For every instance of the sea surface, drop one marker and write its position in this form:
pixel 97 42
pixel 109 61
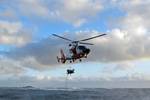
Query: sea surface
pixel 74 94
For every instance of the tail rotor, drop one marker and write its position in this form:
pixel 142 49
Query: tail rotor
pixel 62 58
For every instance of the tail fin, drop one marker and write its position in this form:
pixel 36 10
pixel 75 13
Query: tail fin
pixel 62 58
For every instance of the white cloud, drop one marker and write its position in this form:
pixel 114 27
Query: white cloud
pixel 136 19
pixel 130 42
pixel 118 46
pixel 139 76
pixel 79 11
pixel 11 67
pixel 124 66
pixel 83 82
pixel 136 25
pixel 8 14
pixel 76 12
pixel 33 8
pixel 10 28
pixel 13 33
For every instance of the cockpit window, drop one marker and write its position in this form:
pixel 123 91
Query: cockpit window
pixel 82 47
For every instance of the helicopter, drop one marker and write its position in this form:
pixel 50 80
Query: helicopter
pixel 77 49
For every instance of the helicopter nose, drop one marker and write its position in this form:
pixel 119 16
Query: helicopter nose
pixel 87 51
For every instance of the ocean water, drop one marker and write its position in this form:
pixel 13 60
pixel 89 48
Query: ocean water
pixel 74 94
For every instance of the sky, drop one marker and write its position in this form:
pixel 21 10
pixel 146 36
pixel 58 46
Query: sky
pixel 28 50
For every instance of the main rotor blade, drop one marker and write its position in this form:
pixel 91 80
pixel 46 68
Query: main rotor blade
pixel 93 37
pixel 61 37
pixel 86 43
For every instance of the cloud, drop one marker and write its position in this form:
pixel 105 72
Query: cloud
pixel 8 14
pixel 130 42
pixel 37 55
pixel 139 76
pixel 33 8
pixel 79 11
pixel 10 67
pixel 118 46
pixel 83 82
pixel 136 19
pixel 123 66
pixel 76 12
pixel 134 28
pixel 113 68
pixel 12 33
